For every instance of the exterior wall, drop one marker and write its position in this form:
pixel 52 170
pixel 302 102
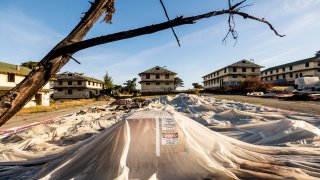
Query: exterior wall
pixel 81 88
pixel 45 96
pixel 76 94
pixel 4 80
pixel 227 76
pixel 166 84
pixel 298 70
pixel 153 77
pixel 153 87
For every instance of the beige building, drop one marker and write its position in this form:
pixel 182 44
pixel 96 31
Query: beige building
pixel 157 80
pixel 287 73
pixel 231 75
pixel 11 75
pixel 76 86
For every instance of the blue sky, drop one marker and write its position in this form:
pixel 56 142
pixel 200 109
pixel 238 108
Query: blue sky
pixel 29 29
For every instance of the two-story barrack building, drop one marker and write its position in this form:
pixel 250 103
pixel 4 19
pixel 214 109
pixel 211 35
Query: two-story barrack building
pixel 231 75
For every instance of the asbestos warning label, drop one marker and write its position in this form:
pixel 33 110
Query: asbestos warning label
pixel 169 138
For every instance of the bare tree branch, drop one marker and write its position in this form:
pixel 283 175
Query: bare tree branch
pixel 72 48
pixel 174 33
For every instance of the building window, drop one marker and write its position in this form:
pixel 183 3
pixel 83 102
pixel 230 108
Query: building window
pixel 243 61
pixel 69 82
pixel 318 63
pixel 69 74
pixel 307 64
pixel 157 68
pixel 265 73
pixel 79 82
pixel 271 72
pixel 234 76
pixel 297 75
pixel 283 76
pixel 11 77
pixel 217 73
pixel 60 82
pixel 271 78
pixel 89 82
pixel 69 91
pixel 225 70
pixel 253 69
pixel 147 76
pixel 290 67
pixel 214 81
pixel 92 83
pixel 59 89
pixel 244 76
pixel 157 83
pixel 157 76
pixel 291 75
pixel 147 83
pixel 167 76
pixel 277 70
pixel 284 69
pixel 234 69
pixel 79 89
pixel 277 77
pixel 244 69
pixel 167 83
pixel 300 74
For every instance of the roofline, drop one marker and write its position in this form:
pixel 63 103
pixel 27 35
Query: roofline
pixel 293 63
pixel 227 67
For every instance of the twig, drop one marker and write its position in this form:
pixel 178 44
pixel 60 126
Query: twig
pixel 73 59
pixel 174 33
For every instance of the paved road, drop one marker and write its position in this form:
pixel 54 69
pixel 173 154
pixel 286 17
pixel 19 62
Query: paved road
pixel 20 120
pixel 310 107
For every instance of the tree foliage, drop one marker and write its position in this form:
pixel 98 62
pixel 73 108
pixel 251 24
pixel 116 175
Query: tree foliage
pixel 178 82
pixel 197 86
pixel 253 84
pixel 130 85
pixel 30 64
pixel 108 83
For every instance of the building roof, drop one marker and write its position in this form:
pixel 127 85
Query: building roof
pixel 244 63
pixel 316 58
pixel 241 63
pixel 80 76
pixel 12 68
pixel 157 70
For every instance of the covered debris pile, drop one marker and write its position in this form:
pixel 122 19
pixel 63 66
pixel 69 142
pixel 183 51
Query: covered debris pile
pixel 163 140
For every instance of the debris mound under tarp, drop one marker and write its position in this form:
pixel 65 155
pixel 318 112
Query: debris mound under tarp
pixel 164 144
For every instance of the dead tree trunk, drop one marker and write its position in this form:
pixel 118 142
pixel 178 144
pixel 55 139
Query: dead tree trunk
pixel 15 99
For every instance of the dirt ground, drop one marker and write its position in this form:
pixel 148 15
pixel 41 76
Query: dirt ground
pixel 309 107
pixel 24 119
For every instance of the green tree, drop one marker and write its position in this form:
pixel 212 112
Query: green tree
pixel 30 64
pixel 178 82
pixel 197 86
pixel 108 83
pixel 130 85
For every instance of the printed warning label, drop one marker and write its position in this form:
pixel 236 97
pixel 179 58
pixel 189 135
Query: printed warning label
pixel 169 138
pixel 168 124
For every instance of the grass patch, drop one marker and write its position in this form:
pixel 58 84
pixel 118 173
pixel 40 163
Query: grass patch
pixel 55 105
